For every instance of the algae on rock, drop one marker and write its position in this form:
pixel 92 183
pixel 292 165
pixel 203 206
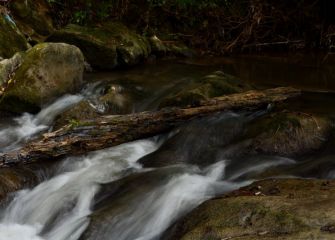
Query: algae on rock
pixel 47 71
pixel 105 47
pixel 8 67
pixel 33 18
pixel 169 48
pixel 214 85
pixel 11 38
pixel 112 99
pixel 288 133
pixel 291 209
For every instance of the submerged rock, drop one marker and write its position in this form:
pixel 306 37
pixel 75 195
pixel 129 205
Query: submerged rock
pixel 244 139
pixel 106 47
pixel 198 143
pixel 270 209
pixel 33 18
pixel 214 85
pixel 11 38
pixel 41 74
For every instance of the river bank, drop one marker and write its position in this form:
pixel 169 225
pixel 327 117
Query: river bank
pixel 262 172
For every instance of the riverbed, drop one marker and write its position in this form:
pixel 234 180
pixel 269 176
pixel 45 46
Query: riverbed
pixel 112 194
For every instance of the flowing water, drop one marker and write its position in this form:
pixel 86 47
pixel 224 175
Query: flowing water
pixel 108 194
pixel 28 125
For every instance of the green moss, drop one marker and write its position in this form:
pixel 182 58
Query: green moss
pixel 240 216
pixel 106 46
pixel 11 39
pixel 282 121
pixel 73 123
pixel 32 18
pixel 214 85
pixel 47 71
pixel 79 112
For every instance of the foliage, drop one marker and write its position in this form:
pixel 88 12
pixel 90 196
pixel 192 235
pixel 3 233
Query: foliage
pixel 87 11
pixel 220 25
pixel 183 4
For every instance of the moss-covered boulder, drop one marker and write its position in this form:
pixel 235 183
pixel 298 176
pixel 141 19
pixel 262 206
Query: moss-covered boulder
pixel 11 38
pixel 47 71
pixel 214 85
pixel 271 209
pixel 169 48
pixel 33 18
pixel 288 133
pixel 105 47
pixel 8 67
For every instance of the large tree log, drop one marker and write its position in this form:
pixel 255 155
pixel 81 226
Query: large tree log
pixel 107 131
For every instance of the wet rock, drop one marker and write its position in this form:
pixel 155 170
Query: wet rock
pixel 47 71
pixel 157 46
pixel 11 38
pixel 112 99
pixel 198 143
pixel 33 18
pixel 288 134
pixel 9 66
pixel 214 85
pixel 300 210
pixel 15 178
pixel 169 48
pixel 81 111
pixel 105 47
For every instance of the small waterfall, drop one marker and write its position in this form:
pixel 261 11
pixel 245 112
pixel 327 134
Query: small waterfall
pixel 29 125
pixel 61 208
pixel 154 212
pixel 57 209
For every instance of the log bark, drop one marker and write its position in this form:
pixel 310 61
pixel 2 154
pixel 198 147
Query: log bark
pixel 108 131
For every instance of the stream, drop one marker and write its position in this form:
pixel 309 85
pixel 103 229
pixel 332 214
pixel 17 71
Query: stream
pixel 111 195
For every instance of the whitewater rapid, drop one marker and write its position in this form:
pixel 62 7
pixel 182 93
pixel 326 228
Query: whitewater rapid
pixel 60 207
pixel 28 125
pixel 63 202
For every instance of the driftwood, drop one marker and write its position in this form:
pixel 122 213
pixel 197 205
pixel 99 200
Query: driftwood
pixel 108 131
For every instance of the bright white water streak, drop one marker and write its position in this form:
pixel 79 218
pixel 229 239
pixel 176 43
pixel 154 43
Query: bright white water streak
pixel 57 209
pixel 28 124
pixel 154 212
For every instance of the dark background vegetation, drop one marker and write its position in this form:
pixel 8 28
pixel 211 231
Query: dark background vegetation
pixel 219 26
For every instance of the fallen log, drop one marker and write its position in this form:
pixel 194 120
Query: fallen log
pixel 107 131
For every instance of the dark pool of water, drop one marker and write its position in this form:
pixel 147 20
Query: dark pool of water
pixel 314 75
